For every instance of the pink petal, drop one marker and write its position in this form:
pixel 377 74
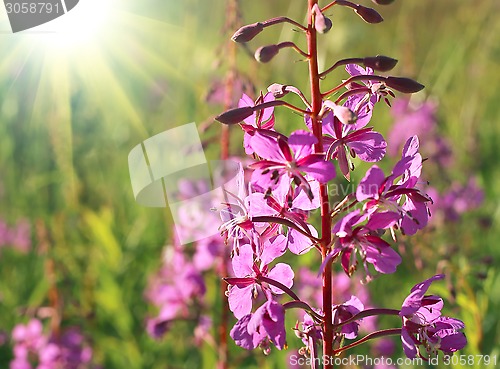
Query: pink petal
pixel 267 148
pixel 273 249
pixel 369 186
pixel 282 273
pixel 240 301
pixel 243 261
pixel 301 142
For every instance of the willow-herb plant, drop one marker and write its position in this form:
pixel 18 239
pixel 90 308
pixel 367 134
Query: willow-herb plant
pixel 290 179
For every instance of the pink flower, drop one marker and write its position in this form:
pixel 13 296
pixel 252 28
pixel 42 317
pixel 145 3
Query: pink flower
pixel 293 158
pixel 260 120
pixel 356 239
pixel 290 203
pixel 266 325
pixel 423 326
pixel 380 192
pixel 248 267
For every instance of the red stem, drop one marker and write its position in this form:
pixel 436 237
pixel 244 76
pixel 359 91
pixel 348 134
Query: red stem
pixel 377 334
pixel 316 104
pixel 361 77
pixel 273 21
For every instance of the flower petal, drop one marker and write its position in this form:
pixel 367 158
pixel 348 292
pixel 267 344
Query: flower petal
pixel 240 300
pixel 282 273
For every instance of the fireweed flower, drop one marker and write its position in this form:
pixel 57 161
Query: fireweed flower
pixel 382 194
pixel 266 325
pixel 176 287
pixel 376 90
pixel 291 203
pixel 237 224
pixel 355 239
pixel 344 312
pixel 411 121
pixel 293 159
pixel 308 331
pixel 34 348
pixel 260 120
pixel 207 251
pixel 342 141
pixel 458 199
pixel 424 329
pixel 249 266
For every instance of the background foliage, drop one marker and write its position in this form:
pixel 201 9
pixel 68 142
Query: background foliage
pixel 70 115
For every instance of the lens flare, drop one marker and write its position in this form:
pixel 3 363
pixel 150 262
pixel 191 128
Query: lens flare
pixel 78 27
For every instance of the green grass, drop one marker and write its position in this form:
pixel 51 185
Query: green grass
pixel 68 121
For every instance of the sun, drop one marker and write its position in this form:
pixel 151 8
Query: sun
pixel 78 27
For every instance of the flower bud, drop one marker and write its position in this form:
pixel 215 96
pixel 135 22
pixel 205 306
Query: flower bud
pixel 247 33
pixel 322 24
pixel 383 2
pixel 234 116
pixel 380 63
pixel 343 113
pixel 405 85
pixel 265 53
pixel 277 90
pixel 369 15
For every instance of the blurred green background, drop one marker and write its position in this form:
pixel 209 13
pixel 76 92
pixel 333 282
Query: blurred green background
pixel 70 114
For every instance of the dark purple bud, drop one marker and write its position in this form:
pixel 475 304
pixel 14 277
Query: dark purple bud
pixel 234 116
pixel 277 90
pixel 405 85
pixel 383 2
pixel 247 33
pixel 380 63
pixel 265 53
pixel 369 15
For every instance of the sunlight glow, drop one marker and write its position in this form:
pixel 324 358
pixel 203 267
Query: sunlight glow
pixel 80 26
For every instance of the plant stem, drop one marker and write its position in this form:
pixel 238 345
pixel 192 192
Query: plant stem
pixel 316 104
pixel 367 313
pixel 223 331
pixel 377 334
pixel 279 285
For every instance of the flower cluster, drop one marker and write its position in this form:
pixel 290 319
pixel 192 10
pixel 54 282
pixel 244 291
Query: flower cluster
pixel 421 119
pixel 17 237
pixel 425 330
pixel 289 179
pixel 35 349
pixel 177 287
